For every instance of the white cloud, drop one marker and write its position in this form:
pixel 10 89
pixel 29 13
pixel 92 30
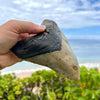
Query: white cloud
pixel 17 2
pixel 67 13
pixel 47 5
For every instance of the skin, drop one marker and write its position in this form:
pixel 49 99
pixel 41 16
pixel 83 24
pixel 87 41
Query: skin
pixel 10 33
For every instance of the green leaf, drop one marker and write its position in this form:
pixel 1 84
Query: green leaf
pixel 11 97
pixel 25 98
pixel 18 92
pixel 52 96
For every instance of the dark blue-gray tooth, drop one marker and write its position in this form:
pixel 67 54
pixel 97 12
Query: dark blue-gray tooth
pixel 51 49
pixel 42 43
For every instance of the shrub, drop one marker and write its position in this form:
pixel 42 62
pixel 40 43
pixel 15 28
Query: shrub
pixel 51 86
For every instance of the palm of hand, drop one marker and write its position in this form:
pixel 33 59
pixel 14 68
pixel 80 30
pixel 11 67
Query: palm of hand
pixel 10 33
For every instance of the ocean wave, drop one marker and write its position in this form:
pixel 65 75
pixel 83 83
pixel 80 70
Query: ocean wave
pixel 31 70
pixel 90 65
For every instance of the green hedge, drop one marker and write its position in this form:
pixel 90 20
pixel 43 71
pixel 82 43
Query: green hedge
pixel 51 86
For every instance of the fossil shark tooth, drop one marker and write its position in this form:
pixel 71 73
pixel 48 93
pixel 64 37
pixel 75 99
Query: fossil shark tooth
pixel 51 49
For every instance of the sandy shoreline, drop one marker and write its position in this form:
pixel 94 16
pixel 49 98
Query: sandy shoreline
pixel 21 76
pixel 88 65
pixel 27 72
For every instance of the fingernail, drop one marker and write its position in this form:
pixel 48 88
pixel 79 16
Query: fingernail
pixel 43 26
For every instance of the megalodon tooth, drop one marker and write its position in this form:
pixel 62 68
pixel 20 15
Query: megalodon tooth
pixel 51 49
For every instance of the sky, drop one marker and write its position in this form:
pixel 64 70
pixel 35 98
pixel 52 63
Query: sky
pixel 78 19
pixel 72 16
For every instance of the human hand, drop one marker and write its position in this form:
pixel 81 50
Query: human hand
pixel 10 33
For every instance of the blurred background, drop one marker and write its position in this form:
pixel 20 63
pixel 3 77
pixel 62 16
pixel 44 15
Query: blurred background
pixel 79 20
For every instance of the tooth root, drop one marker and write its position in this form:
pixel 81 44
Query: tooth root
pixel 50 49
pixel 64 62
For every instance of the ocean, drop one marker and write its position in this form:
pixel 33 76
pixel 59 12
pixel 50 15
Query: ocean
pixel 87 52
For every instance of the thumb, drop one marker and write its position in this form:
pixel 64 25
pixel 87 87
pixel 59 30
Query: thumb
pixel 23 27
pixel 9 33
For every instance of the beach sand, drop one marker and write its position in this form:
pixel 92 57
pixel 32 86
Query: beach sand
pixel 21 75
pixel 90 65
pixel 28 74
